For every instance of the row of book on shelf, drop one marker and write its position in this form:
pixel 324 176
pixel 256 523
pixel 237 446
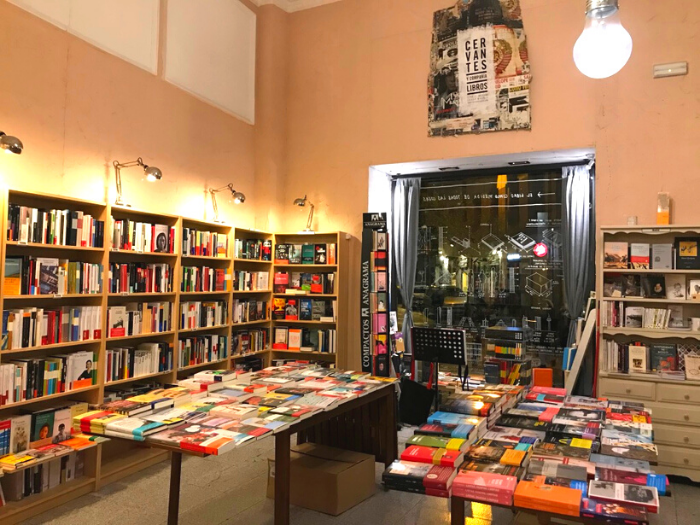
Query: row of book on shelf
pixel 142 237
pixel 669 361
pixel 245 281
pixel 52 226
pixel 652 286
pixel 205 279
pixel 249 341
pixel 24 379
pixel 204 243
pixel 50 276
pixel 201 349
pixel 131 362
pixel 249 310
pixel 139 318
pixel 305 253
pixel 203 314
pixel 682 254
pixel 32 327
pixel 617 314
pixel 305 339
pixel 140 278
pixel 304 309
pixel 253 249
pixel 537 448
pixel 299 283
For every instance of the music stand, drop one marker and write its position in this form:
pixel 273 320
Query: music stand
pixel 445 346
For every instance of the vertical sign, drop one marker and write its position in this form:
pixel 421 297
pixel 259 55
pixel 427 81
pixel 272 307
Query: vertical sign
pixel 372 223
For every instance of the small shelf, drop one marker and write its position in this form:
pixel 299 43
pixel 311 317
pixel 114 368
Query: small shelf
pixel 653 333
pixel 660 270
pixel 54 246
pixel 139 336
pixel 52 396
pixel 141 294
pixel 130 379
pixel 254 261
pixel 238 292
pixel 303 322
pixel 258 352
pixel 205 293
pixel 648 377
pixel 199 365
pixel 311 295
pixel 50 347
pixel 310 266
pixel 49 297
pixel 649 300
pixel 207 258
pixel 276 351
pixel 201 329
pixel 249 323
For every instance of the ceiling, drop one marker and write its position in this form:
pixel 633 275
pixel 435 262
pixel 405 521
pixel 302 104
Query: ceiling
pixel 294 5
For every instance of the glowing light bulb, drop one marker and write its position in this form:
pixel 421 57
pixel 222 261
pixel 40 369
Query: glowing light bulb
pixel 604 46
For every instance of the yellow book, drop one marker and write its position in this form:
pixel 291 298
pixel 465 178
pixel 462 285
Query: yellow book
pixel 455 444
pixel 581 443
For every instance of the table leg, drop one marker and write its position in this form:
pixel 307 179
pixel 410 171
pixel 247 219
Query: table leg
pixel 392 445
pixel 282 468
pixel 457 511
pixel 174 501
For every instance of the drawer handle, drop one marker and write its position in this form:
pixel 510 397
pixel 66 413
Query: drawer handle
pixel 686 461
pixel 687 418
pixel 687 397
pixel 686 439
pixel 629 391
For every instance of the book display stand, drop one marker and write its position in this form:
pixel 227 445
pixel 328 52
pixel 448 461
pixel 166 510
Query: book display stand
pixel 185 349
pixel 446 346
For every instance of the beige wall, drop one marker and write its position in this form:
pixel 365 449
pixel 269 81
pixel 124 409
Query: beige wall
pixel 78 108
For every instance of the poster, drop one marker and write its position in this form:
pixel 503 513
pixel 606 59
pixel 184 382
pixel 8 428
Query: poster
pixel 479 69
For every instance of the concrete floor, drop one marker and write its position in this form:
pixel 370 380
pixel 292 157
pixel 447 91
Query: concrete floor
pixel 231 490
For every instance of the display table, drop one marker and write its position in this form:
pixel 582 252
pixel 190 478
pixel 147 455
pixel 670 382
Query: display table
pixel 366 424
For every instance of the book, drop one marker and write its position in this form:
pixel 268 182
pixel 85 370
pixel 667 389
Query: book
pixel 551 498
pixel 662 256
pixel 616 255
pixel 631 286
pixel 654 286
pixel 20 432
pixel 675 287
pixel 291 312
pixel 694 289
pixel 307 253
pixel 406 475
pixel 662 357
pixel 639 256
pixel 161 243
pixel 609 512
pixel 676 318
pixel 294 253
pixel 646 498
pixel 687 256
pixel 638 359
pixel 305 309
pixel 692 367
pixel 627 450
pixel 320 254
pixel 12 284
pixel 281 254
pixel 634 317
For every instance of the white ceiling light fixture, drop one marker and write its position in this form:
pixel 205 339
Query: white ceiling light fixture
pixel 605 46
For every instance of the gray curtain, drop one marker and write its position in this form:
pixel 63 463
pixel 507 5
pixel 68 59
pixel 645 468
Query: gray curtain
pixel 406 201
pixel 578 230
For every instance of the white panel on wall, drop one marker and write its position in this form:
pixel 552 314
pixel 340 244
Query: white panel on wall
pixel 125 28
pixel 56 12
pixel 210 52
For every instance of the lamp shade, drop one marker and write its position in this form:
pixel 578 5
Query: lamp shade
pixel 10 144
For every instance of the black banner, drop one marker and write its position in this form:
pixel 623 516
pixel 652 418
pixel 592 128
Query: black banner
pixel 372 222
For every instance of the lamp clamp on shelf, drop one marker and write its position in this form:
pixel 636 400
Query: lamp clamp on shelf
pixel 238 198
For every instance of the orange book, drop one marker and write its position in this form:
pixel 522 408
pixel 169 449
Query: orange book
pixel 542 377
pixel 559 500
pixel 513 457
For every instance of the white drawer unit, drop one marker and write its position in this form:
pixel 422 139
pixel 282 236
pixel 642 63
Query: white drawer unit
pixel 609 387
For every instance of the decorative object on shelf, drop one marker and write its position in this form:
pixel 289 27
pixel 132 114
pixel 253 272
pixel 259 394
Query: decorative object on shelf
pixel 152 174
pixel 605 46
pixel 10 144
pixel 301 203
pixel 238 198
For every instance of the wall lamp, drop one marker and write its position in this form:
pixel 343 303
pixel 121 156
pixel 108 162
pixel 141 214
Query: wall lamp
pixel 152 174
pixel 238 198
pixel 301 203
pixel 10 144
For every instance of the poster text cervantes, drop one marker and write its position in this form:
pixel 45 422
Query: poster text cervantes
pixel 480 72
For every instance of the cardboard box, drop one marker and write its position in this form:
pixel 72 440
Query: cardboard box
pixel 326 479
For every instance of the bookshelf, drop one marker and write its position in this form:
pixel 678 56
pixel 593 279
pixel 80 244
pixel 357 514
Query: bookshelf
pixel 674 402
pixel 113 460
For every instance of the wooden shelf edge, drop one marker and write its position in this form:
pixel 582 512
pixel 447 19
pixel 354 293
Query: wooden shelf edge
pixel 186 331
pixel 18 511
pixel 259 352
pixel 52 396
pixel 139 336
pixel 651 333
pixel 190 367
pixel 130 379
pixel 55 346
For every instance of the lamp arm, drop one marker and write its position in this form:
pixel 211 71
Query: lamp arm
pixel 311 217
pixel 214 205
pixel 118 176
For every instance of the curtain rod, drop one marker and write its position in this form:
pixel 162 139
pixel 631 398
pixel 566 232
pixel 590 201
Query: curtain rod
pixel 506 170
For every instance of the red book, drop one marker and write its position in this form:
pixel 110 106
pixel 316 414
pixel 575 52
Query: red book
pixel 451 458
pixel 438 493
pixel 418 454
pixel 439 478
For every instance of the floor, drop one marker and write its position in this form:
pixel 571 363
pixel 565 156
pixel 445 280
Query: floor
pixel 231 490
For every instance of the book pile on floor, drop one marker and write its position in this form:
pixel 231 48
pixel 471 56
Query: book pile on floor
pixel 536 449
pixel 39 450
pixel 215 411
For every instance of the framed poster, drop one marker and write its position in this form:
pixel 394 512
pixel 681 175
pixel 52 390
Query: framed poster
pixel 479 69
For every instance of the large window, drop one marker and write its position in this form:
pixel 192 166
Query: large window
pixel 490 253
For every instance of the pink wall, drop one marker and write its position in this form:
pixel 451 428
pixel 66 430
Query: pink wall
pixel 78 108
pixel 357 97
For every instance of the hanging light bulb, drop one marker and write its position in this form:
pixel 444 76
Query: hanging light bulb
pixel 605 46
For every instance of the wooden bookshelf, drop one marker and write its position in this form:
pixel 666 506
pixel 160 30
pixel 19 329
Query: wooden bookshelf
pixel 110 461
pixel 672 401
